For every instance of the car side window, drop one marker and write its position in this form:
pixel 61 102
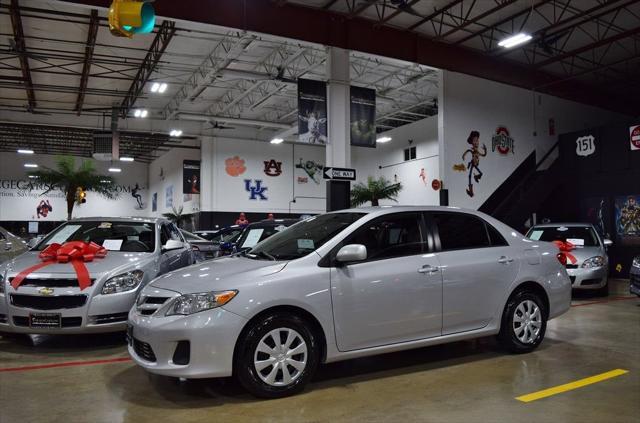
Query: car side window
pixel 393 235
pixel 496 238
pixel 460 231
pixel 165 234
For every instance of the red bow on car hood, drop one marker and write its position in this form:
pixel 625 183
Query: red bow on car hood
pixel 565 248
pixel 75 252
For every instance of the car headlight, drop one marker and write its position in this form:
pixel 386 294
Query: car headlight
pixel 122 283
pixel 193 303
pixel 597 261
pixel 636 262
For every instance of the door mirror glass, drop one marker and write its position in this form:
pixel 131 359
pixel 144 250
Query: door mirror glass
pixel 608 243
pixel 352 252
pixel 172 244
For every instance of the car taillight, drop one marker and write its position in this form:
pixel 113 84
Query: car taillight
pixel 562 258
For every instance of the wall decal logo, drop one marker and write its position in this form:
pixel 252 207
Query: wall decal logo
pixel 234 166
pixel 634 137
pixel 311 168
pixel 472 165
pixel 257 191
pixel 502 141
pixel 585 146
pixel 272 168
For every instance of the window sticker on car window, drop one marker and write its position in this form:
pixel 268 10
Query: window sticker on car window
pixel 112 244
pixel 105 225
pixel 576 241
pixel 63 234
pixel 535 235
pixel 280 228
pixel 306 244
pixel 252 238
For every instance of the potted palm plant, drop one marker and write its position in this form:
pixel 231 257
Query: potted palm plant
pixel 374 191
pixel 176 216
pixel 68 178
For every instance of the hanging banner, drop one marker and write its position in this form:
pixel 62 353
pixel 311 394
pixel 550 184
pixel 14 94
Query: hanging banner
pixel 312 111
pixel 363 117
pixel 191 177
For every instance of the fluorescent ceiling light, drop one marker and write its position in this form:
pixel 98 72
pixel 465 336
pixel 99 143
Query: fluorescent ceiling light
pixel 140 113
pixel 277 141
pixel 515 40
pixel 162 88
pixel 155 87
pixel 21 151
pixel 175 132
pixel 33 176
pixel 115 169
pixel 30 165
pixel 126 159
pixel 383 139
pixel 105 181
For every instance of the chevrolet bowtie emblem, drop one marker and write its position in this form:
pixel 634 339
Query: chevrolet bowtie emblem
pixel 45 291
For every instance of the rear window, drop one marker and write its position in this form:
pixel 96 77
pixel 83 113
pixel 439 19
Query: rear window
pixel 580 236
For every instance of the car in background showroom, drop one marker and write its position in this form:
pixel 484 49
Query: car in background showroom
pixel 634 276
pixel 586 252
pixel 203 249
pixel 46 290
pixel 224 239
pixel 10 245
pixel 348 284
pixel 257 232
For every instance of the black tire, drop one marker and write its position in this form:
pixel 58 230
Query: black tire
pixel 245 370
pixel 507 335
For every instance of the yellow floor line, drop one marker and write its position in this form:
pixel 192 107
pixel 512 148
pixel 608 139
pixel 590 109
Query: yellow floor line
pixel 571 385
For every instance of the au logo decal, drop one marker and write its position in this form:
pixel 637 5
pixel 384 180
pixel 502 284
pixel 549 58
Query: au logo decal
pixel 272 168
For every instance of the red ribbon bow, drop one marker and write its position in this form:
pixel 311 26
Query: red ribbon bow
pixel 75 252
pixel 565 248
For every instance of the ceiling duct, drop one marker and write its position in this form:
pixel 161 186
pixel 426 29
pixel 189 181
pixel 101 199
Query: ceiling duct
pixel 106 144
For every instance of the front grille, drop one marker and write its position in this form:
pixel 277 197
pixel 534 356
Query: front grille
pixel 591 281
pixel 52 283
pixel 155 300
pixel 572 266
pixel 48 303
pixel 144 350
pixel 102 319
pixel 150 305
pixel 65 322
pixel 3 318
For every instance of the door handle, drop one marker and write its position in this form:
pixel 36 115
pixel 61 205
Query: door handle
pixel 505 260
pixel 428 269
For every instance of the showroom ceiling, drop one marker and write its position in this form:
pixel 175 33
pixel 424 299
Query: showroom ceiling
pixel 60 59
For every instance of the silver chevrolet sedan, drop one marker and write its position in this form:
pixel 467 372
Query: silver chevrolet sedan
pixel 49 297
pixel 348 284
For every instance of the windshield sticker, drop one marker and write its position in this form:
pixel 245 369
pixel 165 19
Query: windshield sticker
pixel 576 241
pixel 535 235
pixel 63 234
pixel 105 225
pixel 306 244
pixel 112 244
pixel 562 229
pixel 252 238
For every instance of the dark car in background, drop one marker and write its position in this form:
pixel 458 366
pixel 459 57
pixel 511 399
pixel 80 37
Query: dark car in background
pixel 223 239
pixel 203 249
pixel 256 232
pixel 634 276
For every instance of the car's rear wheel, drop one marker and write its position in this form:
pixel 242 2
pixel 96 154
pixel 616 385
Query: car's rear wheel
pixel 277 356
pixel 524 322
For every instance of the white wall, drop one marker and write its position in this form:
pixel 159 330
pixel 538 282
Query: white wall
pixel 390 156
pixel 468 103
pixel 19 195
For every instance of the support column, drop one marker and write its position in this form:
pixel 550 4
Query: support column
pixel 207 173
pixel 338 150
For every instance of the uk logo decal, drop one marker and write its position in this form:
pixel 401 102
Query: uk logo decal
pixel 272 168
pixel 256 191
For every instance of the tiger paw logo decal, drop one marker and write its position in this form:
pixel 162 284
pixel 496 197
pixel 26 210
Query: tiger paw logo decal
pixel 272 168
pixel 234 166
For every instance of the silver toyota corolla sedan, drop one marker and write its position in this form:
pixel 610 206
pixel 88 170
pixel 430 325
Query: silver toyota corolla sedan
pixel 46 291
pixel 348 284
pixel 585 251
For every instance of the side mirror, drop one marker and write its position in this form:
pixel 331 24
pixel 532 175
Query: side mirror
pixel 172 244
pixel 352 252
pixel 608 243
pixel 33 242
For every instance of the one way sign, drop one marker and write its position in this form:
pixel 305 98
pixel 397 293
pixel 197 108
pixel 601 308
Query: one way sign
pixel 339 174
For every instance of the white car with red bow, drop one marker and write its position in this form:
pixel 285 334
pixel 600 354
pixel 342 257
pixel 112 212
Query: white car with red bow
pixel 85 275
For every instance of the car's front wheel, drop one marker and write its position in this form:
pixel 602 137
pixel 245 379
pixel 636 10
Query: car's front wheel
pixel 276 356
pixel 524 322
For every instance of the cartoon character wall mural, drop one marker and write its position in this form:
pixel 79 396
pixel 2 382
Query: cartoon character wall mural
pixel 423 176
pixel 311 168
pixel 43 209
pixel 473 165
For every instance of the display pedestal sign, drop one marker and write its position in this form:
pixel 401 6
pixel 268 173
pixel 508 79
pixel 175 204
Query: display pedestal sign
pixel 339 174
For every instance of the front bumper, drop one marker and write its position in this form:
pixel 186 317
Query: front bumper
pixel 211 336
pixel 594 278
pixel 99 314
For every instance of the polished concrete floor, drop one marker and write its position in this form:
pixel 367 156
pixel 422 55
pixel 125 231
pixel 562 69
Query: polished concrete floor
pixel 462 382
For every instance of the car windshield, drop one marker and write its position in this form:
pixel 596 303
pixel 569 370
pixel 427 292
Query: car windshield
pixel 231 236
pixel 303 237
pixel 114 236
pixel 580 236
pixel 191 237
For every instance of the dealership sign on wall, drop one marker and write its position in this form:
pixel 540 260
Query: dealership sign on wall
pixel 634 137
pixel 585 146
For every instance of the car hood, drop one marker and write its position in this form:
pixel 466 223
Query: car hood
pixel 583 253
pixel 112 262
pixel 217 275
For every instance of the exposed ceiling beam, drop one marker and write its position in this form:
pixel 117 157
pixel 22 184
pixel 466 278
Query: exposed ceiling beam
pixel 158 46
pixel 396 13
pixel 434 14
pixel 21 49
pixel 477 18
pixel 88 55
pixel 328 4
